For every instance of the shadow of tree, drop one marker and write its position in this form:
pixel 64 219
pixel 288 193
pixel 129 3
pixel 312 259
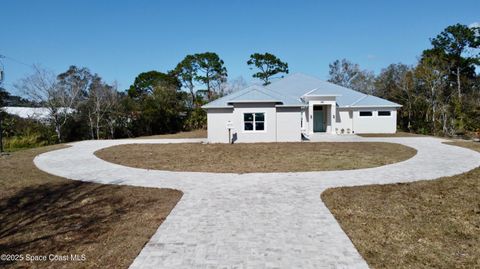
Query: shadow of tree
pixel 53 217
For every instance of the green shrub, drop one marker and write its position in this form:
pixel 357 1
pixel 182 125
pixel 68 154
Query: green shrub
pixel 196 119
pixel 25 141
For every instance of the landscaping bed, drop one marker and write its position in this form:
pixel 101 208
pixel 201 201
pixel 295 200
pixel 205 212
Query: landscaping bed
pixel 257 157
pixel 42 215
pixel 425 224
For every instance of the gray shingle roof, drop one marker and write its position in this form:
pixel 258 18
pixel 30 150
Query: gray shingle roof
pixel 290 90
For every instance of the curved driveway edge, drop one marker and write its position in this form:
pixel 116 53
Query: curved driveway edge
pixel 261 220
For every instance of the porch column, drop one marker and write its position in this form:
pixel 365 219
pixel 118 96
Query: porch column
pixel 333 120
pixel 310 118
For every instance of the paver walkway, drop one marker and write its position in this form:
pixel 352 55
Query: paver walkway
pixel 270 220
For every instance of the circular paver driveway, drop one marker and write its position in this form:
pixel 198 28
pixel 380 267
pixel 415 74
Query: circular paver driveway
pixel 261 220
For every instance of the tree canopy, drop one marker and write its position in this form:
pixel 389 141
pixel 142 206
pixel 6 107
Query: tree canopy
pixel 204 75
pixel 146 82
pixel 211 72
pixel 4 95
pixel 269 66
pixel 350 75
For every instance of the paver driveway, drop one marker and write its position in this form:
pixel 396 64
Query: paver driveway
pixel 269 220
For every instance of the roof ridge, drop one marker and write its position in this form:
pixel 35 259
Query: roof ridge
pixel 356 102
pixel 256 88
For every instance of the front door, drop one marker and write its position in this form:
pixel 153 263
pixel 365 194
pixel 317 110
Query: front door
pixel 318 119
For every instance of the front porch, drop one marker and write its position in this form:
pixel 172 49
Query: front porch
pixel 319 116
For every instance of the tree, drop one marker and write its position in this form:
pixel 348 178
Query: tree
pixel 157 103
pixel 211 72
pixel 112 102
pixel 349 75
pixel 236 84
pixel 187 71
pixel 101 106
pixel 432 73
pixel 4 95
pixel 397 83
pixel 268 64
pixel 61 97
pixel 145 83
pixel 458 42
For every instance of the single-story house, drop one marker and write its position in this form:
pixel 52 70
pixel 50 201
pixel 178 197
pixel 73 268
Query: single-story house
pixel 295 107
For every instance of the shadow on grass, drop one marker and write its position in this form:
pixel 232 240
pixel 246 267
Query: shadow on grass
pixel 60 217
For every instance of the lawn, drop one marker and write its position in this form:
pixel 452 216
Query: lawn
pixel 425 224
pixel 256 157
pixel 397 134
pixel 41 214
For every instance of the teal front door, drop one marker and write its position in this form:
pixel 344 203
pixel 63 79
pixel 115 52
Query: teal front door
pixel 318 125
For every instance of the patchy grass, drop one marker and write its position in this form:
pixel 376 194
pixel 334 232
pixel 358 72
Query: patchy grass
pixel 425 224
pixel 397 134
pixel 257 157
pixel 201 133
pixel 41 214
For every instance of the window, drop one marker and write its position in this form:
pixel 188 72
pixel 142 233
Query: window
pixel 384 113
pixel 365 113
pixel 254 121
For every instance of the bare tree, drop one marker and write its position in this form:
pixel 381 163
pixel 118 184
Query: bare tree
pixel 113 103
pixel 432 72
pixel 348 74
pixel 43 87
pixel 102 101
pixel 236 84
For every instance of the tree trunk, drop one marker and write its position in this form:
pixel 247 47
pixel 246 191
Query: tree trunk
pixel 209 90
pixel 409 126
pixel 97 125
pixel 112 129
pixel 90 123
pixel 459 88
pixel 58 132
pixel 194 99
pixel 434 109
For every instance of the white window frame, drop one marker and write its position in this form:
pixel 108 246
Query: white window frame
pixel 384 116
pixel 254 121
pixel 360 113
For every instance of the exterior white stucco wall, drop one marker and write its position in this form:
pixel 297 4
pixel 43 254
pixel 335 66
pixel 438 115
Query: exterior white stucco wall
pixel 289 124
pixel 217 119
pixel 344 121
pixel 284 124
pixel 267 135
pixel 375 123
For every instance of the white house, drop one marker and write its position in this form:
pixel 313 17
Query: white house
pixel 295 106
pixel 41 114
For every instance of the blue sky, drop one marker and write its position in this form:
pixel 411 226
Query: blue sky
pixel 119 39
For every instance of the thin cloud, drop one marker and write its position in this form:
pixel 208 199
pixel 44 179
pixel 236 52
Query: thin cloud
pixel 474 24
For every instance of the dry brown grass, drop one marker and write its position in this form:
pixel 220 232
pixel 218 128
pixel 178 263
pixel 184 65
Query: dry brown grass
pixel 397 134
pixel 257 157
pixel 41 214
pixel 201 133
pixel 426 224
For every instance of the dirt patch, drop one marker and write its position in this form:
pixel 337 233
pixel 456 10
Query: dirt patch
pixel 426 224
pixel 41 214
pixel 257 157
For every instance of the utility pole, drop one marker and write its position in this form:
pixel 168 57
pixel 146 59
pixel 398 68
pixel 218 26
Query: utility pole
pixel 2 76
